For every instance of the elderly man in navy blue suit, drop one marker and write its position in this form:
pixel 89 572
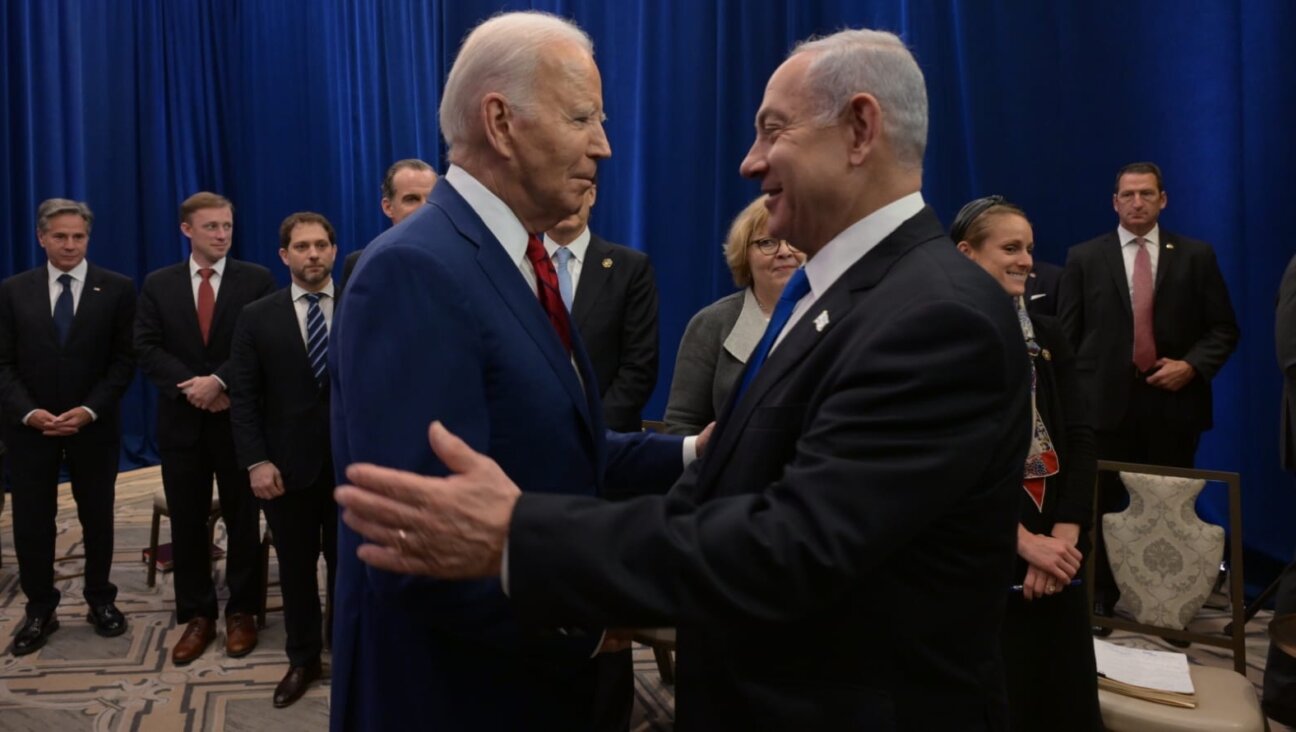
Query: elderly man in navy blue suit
pixel 842 555
pixel 456 316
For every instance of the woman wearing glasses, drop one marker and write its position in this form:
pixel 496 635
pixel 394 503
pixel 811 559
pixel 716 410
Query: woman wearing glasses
pixel 719 338
pixel 1047 646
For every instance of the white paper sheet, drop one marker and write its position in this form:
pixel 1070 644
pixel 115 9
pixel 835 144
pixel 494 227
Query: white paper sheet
pixel 1161 670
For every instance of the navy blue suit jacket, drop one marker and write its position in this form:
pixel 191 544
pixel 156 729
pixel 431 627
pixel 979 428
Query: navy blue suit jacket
pixel 438 323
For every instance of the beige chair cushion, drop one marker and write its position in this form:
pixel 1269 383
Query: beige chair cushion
pixel 1226 702
pixel 160 503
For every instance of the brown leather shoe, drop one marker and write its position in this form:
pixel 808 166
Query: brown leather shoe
pixel 197 634
pixel 294 683
pixel 240 634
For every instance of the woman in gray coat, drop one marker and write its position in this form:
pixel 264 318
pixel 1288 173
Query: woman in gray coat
pixel 719 338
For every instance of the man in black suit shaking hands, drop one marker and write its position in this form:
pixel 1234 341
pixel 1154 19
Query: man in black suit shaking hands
pixel 280 415
pixel 183 331
pixel 65 361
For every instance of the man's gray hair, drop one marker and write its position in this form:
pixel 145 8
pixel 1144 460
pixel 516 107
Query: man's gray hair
pixel 875 62
pixel 501 55
pixel 51 207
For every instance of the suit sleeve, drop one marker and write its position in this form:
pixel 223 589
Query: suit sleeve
pixel 1285 322
pixel 1220 330
pixel 15 400
pixel 160 366
pixel 642 463
pixel 262 284
pixel 427 364
pixel 246 395
pixel 899 442
pixel 108 391
pixel 689 408
pixel 1070 300
pixel 636 375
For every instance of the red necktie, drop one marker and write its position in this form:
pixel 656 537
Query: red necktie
pixel 206 302
pixel 1141 299
pixel 550 297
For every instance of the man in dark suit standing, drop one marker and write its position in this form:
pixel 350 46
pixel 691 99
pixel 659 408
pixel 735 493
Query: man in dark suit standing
pixel 279 410
pixel 1150 319
pixel 65 361
pixel 405 187
pixel 840 558
pixel 183 330
pixel 611 294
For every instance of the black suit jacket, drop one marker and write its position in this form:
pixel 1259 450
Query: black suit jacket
pixel 1285 340
pixel 169 343
pixel 93 369
pixel 1193 321
pixel 841 556
pixel 347 266
pixel 277 410
pixel 615 310
pixel 1042 288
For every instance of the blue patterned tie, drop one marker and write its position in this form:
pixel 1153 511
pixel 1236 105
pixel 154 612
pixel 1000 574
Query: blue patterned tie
pixel 796 288
pixel 564 256
pixel 63 308
pixel 316 337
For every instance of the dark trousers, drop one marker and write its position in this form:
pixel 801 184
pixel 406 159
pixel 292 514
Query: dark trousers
pixel 187 480
pixel 1049 666
pixel 613 691
pixel 1143 436
pixel 304 522
pixel 34 462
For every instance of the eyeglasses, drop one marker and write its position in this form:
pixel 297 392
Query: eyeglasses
pixel 769 246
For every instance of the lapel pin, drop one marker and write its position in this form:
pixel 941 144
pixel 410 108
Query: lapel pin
pixel 96 289
pixel 1169 245
pixel 1045 353
pixel 607 263
pixel 821 321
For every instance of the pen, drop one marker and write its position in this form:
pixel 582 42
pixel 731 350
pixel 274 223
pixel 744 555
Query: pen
pixel 1019 588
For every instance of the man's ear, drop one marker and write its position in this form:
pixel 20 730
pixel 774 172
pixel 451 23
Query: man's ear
pixel 864 121
pixel 499 123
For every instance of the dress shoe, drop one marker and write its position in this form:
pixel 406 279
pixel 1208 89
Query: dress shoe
pixel 197 634
pixel 240 635
pixel 31 636
pixel 107 620
pixel 294 683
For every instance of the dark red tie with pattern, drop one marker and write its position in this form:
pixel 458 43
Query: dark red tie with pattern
pixel 547 285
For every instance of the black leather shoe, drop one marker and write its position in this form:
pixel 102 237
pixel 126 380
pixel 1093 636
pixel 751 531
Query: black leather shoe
pixel 294 683
pixel 107 620
pixel 31 636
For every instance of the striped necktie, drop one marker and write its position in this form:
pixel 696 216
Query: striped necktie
pixel 316 338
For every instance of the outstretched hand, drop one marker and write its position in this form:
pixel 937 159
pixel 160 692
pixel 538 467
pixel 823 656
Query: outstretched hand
pixel 453 527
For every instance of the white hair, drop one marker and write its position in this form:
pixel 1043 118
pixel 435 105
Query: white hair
pixel 876 62
pixel 501 55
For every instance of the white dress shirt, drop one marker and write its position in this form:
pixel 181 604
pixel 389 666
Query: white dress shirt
pixel 195 279
pixel 847 248
pixel 1129 250
pixel 577 247
pixel 302 307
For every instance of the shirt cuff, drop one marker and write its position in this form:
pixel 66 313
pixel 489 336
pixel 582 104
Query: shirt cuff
pixel 222 382
pixel 27 416
pixel 690 450
pixel 504 569
pixel 256 464
pixel 93 417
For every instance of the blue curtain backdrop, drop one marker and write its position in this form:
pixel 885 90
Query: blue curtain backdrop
pixel 132 105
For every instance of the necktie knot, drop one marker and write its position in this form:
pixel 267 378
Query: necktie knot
pixel 65 279
pixel 798 285
pixel 206 273
pixel 563 255
pixel 313 297
pixel 535 250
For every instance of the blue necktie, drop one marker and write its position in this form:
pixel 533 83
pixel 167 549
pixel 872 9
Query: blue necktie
pixel 564 256
pixel 63 308
pixel 796 288
pixel 316 337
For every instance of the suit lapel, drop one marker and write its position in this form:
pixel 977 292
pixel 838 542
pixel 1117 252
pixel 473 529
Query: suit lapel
pixel 593 276
pixel 230 281
pixel 1116 265
pixel 87 306
pixel 38 294
pixel 827 312
pixel 286 322
pixel 1166 259
pixel 513 292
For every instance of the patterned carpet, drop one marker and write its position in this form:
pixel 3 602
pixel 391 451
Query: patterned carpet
pixel 80 681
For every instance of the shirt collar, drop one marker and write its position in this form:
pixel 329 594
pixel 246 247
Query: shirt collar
pixel 299 292
pixel 78 272
pixel 858 239
pixel 1126 236
pixel 577 246
pixel 219 267
pixel 498 217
